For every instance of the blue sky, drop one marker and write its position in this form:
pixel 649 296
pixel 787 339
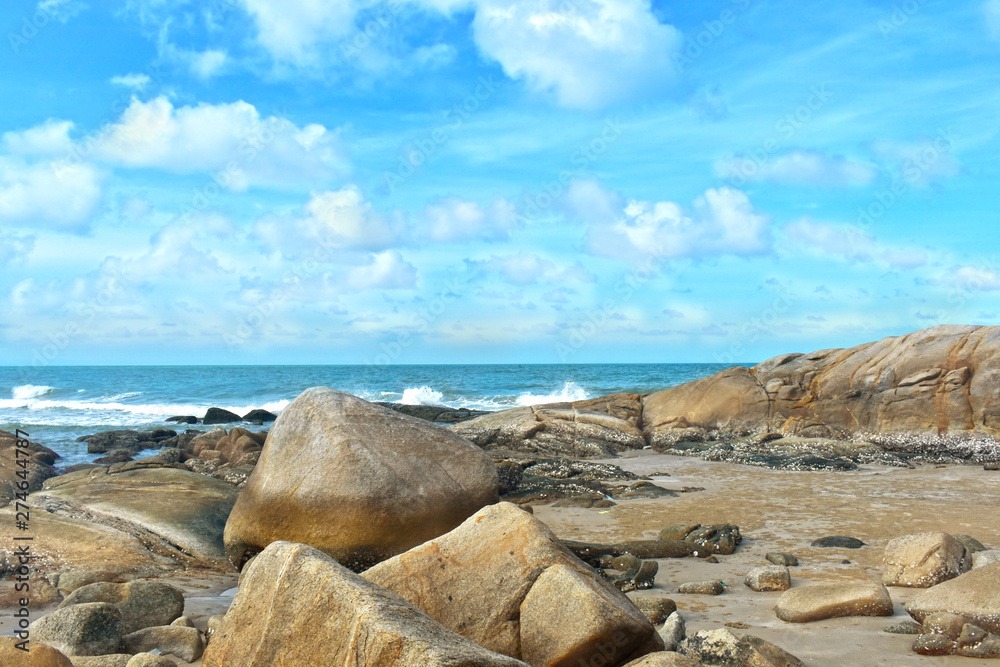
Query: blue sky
pixel 486 181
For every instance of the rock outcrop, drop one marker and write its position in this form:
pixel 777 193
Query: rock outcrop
pixel 598 427
pixel 974 595
pixel 938 381
pixel 357 481
pixel 37 468
pixel 297 606
pixel 923 560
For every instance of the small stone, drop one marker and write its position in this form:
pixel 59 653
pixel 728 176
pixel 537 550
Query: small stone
pixel 657 610
pixel 838 542
pixel 673 632
pixel 770 578
pixel 710 559
pixel 934 645
pixel 972 635
pixel 702 588
pixel 904 628
pixel 974 642
pixel 778 558
pixel 185 643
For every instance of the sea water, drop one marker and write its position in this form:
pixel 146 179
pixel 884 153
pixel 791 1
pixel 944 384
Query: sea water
pixel 56 405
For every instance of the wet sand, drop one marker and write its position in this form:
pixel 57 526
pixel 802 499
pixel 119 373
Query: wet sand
pixel 786 511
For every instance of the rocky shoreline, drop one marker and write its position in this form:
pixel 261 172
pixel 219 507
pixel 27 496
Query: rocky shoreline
pixel 438 536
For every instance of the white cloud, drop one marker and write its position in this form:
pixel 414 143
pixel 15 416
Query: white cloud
pixel 528 269
pixel 138 81
pixel 850 243
pixel 331 219
pixel 291 30
pixel 975 278
pixel 48 193
pixel 50 138
pixel 587 52
pixel 229 138
pixel 991 12
pixel 206 64
pixel 921 163
pixel 387 270
pixel 721 222
pixel 453 219
pixel 799 167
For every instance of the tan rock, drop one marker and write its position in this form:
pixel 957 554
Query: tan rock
pixel 39 466
pixel 84 629
pixel 974 595
pixel 38 655
pixel 664 659
pixel 722 647
pixel 769 578
pixel 298 606
pixel 476 578
pixel 567 617
pixel 924 559
pixel 939 380
pixel 358 481
pixel 176 513
pixel 819 601
pixel 185 643
pixel 143 604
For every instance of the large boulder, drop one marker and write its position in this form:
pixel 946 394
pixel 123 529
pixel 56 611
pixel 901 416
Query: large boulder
pixel 297 606
pixel 357 481
pixel 220 416
pixel 480 580
pixel 974 595
pixel 38 655
pixel 94 628
pixel 143 604
pixel 936 381
pixel 598 427
pixel 922 560
pixel 721 648
pixel 820 601
pixel 177 514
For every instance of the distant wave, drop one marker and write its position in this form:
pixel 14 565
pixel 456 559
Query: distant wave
pixel 570 391
pixel 26 391
pixel 100 411
pixel 421 396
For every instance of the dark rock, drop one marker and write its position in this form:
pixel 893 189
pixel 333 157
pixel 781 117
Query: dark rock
pixel 778 558
pixel 116 456
pixel 644 549
pixel 107 441
pixel 435 413
pixel 838 542
pixel 972 545
pixel 640 575
pixel 716 539
pixel 259 415
pixel 657 610
pixel 220 416
pixel 183 419
pixel 928 644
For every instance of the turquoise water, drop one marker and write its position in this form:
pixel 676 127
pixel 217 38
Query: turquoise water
pixel 58 404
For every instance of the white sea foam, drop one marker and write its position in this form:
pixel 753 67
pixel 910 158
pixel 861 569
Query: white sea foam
pixel 26 391
pixel 421 396
pixel 101 411
pixel 570 391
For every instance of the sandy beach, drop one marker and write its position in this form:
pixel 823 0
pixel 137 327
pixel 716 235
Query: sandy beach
pixel 785 511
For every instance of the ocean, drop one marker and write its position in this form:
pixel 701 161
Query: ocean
pixel 56 405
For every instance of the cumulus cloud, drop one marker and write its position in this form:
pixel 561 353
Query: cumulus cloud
pixel 332 219
pixel 528 268
pixel 50 193
pixel 232 139
pixel 387 270
pixel 50 138
pixel 451 219
pixel 587 54
pixel 799 167
pixel 850 243
pixel 722 221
